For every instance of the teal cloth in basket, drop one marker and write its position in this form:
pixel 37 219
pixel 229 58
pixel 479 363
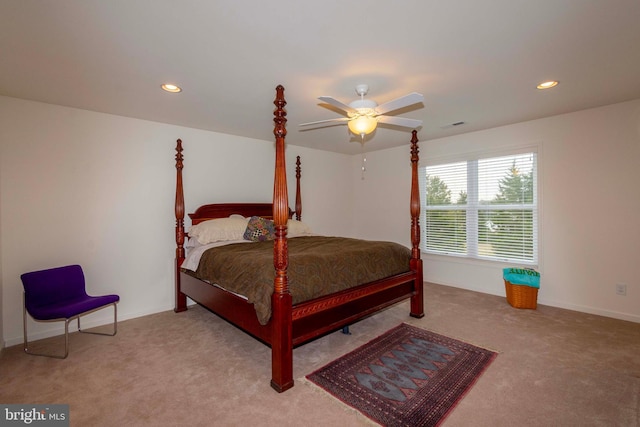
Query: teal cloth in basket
pixel 522 276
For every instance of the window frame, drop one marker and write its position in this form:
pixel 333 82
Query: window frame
pixel 471 253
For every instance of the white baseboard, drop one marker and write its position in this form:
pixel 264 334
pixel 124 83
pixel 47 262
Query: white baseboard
pixel 100 318
pixel 573 307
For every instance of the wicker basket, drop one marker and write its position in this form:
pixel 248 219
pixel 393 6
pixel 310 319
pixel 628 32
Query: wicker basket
pixel 521 296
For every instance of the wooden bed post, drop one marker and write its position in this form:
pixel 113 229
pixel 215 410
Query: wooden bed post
pixel 181 299
pixel 298 195
pixel 417 303
pixel 281 338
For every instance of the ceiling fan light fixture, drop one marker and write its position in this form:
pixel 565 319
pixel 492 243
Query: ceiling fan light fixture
pixel 363 115
pixel 362 125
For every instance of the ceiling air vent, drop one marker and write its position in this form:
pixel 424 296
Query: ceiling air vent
pixel 452 125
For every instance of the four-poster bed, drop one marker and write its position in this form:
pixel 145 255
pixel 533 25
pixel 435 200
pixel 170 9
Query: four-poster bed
pixel 290 322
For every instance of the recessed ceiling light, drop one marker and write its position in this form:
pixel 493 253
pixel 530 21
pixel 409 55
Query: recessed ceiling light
pixel 171 88
pixel 547 85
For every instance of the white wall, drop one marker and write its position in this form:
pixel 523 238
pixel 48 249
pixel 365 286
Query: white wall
pixel 382 195
pixel 98 190
pixel 590 207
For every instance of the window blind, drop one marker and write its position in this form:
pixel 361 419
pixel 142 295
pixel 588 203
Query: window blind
pixel 483 208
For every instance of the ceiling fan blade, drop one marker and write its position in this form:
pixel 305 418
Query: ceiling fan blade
pixel 400 121
pixel 326 122
pixel 396 104
pixel 342 106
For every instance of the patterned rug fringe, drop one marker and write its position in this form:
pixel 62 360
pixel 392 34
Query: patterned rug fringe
pixel 345 406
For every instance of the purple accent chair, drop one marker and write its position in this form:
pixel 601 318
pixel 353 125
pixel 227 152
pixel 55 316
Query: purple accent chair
pixel 58 294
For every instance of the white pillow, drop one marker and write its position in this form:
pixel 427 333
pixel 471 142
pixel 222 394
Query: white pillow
pixel 219 229
pixel 297 228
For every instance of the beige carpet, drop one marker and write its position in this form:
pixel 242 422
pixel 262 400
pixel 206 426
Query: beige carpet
pixel 555 368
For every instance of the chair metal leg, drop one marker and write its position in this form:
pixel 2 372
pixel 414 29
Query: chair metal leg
pixel 115 323
pixel 66 331
pixel 26 341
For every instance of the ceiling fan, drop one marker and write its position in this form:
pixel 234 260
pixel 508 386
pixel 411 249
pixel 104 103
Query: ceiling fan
pixel 363 115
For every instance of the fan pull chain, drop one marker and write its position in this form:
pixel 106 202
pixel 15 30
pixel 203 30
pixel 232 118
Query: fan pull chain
pixel 364 159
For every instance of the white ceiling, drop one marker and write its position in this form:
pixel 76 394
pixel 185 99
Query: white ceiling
pixel 474 61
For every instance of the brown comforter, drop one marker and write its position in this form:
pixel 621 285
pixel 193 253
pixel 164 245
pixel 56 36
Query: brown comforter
pixel 318 266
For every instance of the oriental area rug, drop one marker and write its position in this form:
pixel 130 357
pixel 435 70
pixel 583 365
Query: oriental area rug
pixel 406 377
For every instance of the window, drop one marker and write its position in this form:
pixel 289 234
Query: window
pixel 485 208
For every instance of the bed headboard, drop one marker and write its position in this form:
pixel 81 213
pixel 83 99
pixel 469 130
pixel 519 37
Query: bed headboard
pixel 223 210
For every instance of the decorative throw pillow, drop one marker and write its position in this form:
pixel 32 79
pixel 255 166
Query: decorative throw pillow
pixel 260 229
